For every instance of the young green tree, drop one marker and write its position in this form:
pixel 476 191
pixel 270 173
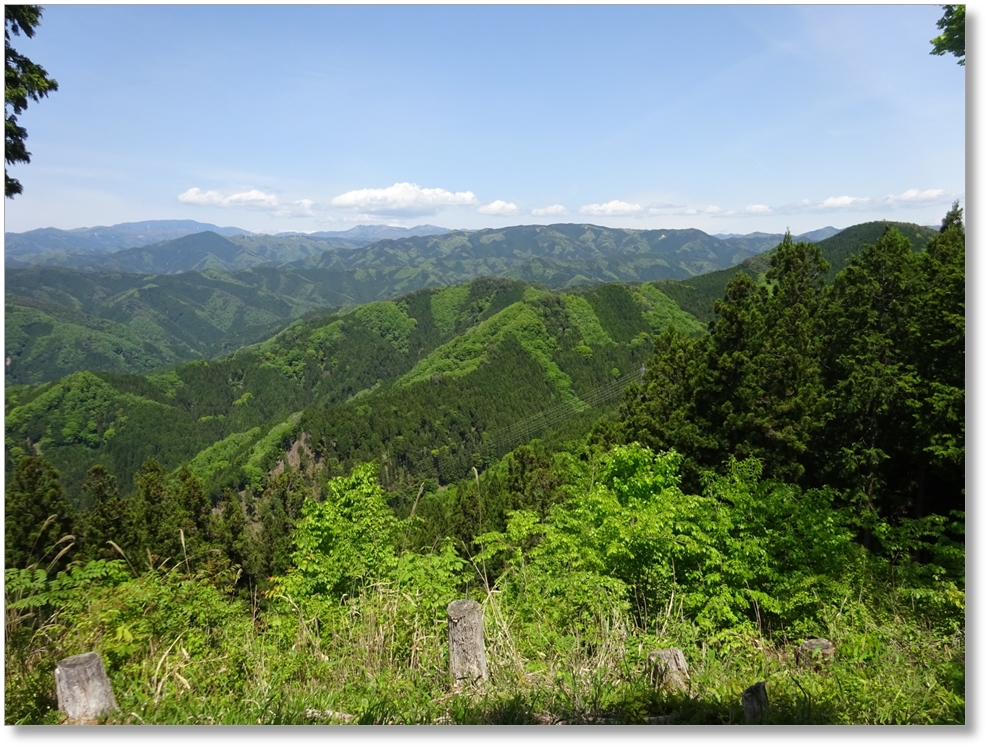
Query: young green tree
pixel 23 80
pixel 39 521
pixel 164 514
pixel 344 541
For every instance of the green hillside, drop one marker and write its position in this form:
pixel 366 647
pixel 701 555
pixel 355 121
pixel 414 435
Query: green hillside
pixel 455 362
pixel 213 311
pixel 274 537
pixel 697 295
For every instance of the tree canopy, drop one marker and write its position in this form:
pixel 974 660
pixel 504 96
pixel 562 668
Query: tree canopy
pixel 952 38
pixel 23 79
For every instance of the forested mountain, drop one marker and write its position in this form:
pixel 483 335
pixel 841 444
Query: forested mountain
pixel 39 244
pixel 625 255
pixel 202 251
pixel 697 295
pixel 430 371
pixel 182 316
pixel 178 246
pixel 304 510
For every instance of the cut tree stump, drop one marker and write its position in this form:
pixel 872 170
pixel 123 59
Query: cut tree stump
pixel 468 662
pixel 755 702
pixel 815 652
pixel 668 669
pixel 83 689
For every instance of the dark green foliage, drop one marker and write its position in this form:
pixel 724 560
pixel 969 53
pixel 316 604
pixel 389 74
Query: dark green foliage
pixel 110 517
pixel 858 385
pixel 753 387
pixel 697 295
pixel 871 383
pixel 839 250
pixel 39 521
pixel 939 342
pixel 952 37
pixel 23 80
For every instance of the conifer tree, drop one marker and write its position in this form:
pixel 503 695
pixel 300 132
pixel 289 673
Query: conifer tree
pixel 110 518
pixel 163 513
pixel 39 520
pixel 872 382
pixel 938 340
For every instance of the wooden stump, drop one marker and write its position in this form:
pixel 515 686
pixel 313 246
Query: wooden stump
pixel 668 669
pixel 815 652
pixel 83 689
pixel 468 662
pixel 755 702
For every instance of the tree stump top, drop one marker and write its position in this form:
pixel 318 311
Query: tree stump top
pixel 457 610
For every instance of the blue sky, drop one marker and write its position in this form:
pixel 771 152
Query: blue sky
pixel 308 118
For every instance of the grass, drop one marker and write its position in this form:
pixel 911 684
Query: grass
pixel 367 664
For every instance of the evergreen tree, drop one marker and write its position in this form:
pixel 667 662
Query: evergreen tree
pixel 39 521
pixel 872 383
pixel 110 518
pixel 753 387
pixel 938 340
pixel 164 514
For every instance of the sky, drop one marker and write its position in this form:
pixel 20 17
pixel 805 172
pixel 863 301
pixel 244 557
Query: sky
pixel 727 118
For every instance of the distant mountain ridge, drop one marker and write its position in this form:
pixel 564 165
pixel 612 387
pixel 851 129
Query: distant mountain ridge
pixel 106 239
pixel 166 317
pixel 372 232
pixel 50 246
pixel 622 254
pixel 810 236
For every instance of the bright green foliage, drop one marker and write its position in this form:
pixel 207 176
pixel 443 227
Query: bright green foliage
pixel 77 410
pixel 344 541
pixel 952 38
pixel 446 306
pixel 662 312
pixel 747 553
pixel 583 318
pixel 222 454
pixel 39 521
pixel 267 450
pixel 388 320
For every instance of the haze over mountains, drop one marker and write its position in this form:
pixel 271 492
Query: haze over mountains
pixel 179 246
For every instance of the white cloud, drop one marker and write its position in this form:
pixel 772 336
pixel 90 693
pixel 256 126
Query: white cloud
pixel 298 209
pixel 550 210
pixel 402 199
pixel 758 208
pixel 712 210
pixel 916 196
pixel 843 202
pixel 612 208
pixel 253 199
pixel 498 208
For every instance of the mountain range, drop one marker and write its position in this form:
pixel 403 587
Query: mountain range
pixel 78 247
pixel 61 320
